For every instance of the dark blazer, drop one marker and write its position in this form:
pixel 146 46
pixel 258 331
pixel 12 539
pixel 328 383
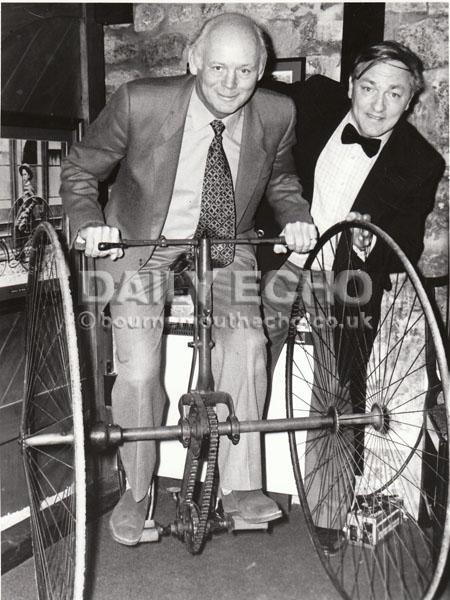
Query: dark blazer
pixel 399 190
pixel 142 128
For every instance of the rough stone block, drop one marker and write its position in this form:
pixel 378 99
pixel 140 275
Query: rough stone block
pixel 181 15
pixel 148 17
pixel 164 50
pixel 442 201
pixel 299 9
pixel 300 37
pixel 120 45
pixel 285 38
pixel 264 11
pixel 330 22
pixel 430 114
pixel 169 70
pixel 434 260
pixel 438 8
pixel 428 38
pixel 394 20
pixel 210 10
pixel 307 30
pixel 407 7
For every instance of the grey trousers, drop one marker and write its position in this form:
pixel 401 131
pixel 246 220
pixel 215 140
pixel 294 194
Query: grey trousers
pixel 278 292
pixel 238 364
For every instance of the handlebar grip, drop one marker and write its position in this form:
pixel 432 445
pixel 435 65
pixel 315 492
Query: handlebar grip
pixel 79 244
pixel 110 245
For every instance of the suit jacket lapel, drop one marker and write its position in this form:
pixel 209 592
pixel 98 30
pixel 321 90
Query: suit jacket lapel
pixel 252 157
pixel 383 187
pixel 166 153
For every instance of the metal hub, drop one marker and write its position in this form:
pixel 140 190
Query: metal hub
pixel 382 419
pixel 333 413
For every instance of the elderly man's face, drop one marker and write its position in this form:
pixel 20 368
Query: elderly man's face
pixel 380 97
pixel 227 67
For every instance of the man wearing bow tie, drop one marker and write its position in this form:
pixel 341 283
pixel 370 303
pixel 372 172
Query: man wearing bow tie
pixel 357 157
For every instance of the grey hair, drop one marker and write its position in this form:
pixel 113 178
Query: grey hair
pixel 231 18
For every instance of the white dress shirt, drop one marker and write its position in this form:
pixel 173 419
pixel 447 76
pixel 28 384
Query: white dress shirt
pixel 184 209
pixel 340 172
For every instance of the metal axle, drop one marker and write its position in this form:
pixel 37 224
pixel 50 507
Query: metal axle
pixel 105 436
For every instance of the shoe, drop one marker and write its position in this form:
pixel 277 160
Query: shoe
pixel 251 505
pixel 331 540
pixel 127 519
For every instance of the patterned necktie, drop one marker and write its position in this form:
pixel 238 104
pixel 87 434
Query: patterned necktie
pixel 217 211
pixel 351 136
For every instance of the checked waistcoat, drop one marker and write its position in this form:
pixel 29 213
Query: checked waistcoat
pixel 217 211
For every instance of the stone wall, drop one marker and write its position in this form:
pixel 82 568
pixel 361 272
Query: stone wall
pixel 423 27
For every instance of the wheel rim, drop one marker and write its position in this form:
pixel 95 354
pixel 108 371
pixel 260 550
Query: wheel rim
pixel 52 405
pixel 382 480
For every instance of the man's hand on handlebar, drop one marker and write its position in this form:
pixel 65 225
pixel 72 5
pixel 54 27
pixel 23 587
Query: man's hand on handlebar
pixel 89 238
pixel 299 236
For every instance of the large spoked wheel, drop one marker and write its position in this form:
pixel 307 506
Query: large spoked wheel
pixel 365 351
pixel 52 424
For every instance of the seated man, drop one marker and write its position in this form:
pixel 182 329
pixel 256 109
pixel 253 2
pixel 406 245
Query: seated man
pixel 358 157
pixel 196 155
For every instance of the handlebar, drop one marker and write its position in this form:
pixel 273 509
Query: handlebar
pixel 162 242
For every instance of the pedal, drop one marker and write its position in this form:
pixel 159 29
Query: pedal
pixel 174 493
pixel 237 523
pixel 150 533
pixel 240 524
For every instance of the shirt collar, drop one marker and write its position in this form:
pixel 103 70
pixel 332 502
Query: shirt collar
pixel 198 116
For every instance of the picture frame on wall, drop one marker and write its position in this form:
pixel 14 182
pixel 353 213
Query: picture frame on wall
pixel 289 70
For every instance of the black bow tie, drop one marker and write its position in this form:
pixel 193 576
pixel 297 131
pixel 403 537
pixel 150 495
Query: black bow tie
pixel 351 136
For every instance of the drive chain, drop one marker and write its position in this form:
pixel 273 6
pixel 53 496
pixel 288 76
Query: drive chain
pixel 196 537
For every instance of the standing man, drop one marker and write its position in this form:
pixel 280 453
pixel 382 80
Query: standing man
pixel 196 155
pixel 357 157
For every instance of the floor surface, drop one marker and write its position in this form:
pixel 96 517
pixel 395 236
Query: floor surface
pixel 280 565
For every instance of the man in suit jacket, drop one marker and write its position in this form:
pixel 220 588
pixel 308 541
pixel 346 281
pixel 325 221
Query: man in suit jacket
pixel 357 157
pixel 160 131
